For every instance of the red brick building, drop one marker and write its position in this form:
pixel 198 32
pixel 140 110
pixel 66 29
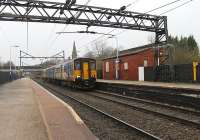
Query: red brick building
pixel 129 62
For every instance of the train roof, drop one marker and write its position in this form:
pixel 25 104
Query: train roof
pixel 68 61
pixel 83 58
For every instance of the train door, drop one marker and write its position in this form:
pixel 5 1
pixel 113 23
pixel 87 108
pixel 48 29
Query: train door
pixel 85 70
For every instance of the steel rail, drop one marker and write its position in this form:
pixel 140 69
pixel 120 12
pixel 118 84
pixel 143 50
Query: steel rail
pixel 183 121
pixel 105 114
pixel 137 89
pixel 152 103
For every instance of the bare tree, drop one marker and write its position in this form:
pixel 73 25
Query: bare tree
pixel 185 50
pixel 7 64
pixel 102 50
pixel 1 63
pixel 151 39
pixel 89 54
pixel 99 51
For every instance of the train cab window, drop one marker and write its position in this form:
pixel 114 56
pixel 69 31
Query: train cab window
pixel 65 67
pixel 77 66
pixel 92 66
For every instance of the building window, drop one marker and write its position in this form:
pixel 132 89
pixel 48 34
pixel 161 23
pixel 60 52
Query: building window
pixel 145 63
pixel 107 66
pixel 126 66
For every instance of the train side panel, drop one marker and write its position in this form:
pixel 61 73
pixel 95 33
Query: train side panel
pixel 80 72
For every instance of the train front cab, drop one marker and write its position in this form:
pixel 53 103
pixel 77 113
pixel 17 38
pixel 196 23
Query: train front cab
pixel 85 73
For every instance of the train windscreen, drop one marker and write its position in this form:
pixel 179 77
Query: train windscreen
pixel 77 65
pixel 92 65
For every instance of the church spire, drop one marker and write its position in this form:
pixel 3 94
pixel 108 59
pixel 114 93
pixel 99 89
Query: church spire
pixel 74 52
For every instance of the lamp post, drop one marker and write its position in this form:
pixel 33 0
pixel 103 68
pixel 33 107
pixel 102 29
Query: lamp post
pixel 10 60
pixel 158 59
pixel 172 53
pixel 117 57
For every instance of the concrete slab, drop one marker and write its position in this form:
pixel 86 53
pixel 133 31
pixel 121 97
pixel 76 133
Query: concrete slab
pixel 20 118
pixel 29 112
pixel 62 121
pixel 188 86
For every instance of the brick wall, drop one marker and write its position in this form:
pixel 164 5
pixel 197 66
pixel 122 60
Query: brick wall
pixel 134 61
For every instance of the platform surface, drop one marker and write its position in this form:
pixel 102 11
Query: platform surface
pixel 190 86
pixel 29 112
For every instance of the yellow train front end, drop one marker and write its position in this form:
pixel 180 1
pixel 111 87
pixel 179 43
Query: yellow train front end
pixel 85 73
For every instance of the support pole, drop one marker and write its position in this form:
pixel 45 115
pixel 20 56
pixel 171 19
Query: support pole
pixel 20 59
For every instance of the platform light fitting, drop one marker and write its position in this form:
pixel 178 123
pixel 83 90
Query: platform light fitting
pixel 73 2
pixel 109 17
pixel 68 3
pixel 122 8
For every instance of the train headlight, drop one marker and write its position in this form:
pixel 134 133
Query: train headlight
pixel 78 76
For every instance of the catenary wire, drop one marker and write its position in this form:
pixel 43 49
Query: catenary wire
pixel 170 10
pixel 77 14
pixel 128 5
pixel 165 5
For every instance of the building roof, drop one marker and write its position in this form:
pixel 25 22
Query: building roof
pixel 132 51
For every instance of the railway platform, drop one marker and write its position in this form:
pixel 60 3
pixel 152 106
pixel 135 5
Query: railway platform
pixel 29 112
pixel 186 86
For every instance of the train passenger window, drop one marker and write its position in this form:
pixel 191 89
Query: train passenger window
pixel 65 68
pixel 107 67
pixel 77 66
pixel 126 66
pixel 92 66
pixel 70 69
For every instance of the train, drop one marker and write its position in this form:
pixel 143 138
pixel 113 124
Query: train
pixel 77 73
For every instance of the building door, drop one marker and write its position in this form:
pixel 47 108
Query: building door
pixel 85 71
pixel 141 73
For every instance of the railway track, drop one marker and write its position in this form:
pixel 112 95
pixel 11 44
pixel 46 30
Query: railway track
pixel 178 108
pixel 167 96
pixel 119 121
pixel 154 124
pixel 143 108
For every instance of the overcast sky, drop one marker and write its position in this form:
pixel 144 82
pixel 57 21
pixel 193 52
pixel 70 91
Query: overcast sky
pixel 43 40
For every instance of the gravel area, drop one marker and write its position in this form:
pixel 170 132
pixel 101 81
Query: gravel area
pixel 164 110
pixel 104 128
pixel 160 127
pixel 163 128
pixel 173 97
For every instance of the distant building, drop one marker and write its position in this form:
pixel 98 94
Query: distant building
pixel 129 62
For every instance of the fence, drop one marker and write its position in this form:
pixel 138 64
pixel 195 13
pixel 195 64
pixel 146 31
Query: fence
pixel 6 77
pixel 149 74
pixel 183 73
pixel 198 73
pixel 176 73
pixel 163 73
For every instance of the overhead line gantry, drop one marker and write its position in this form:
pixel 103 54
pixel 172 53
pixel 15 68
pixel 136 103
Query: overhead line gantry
pixel 56 12
pixel 24 55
